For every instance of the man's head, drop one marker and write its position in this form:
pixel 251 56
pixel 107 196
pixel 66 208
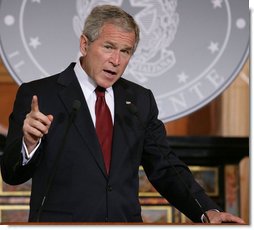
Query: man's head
pixel 109 39
pixel 112 15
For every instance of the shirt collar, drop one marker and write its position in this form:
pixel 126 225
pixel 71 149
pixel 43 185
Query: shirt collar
pixel 87 84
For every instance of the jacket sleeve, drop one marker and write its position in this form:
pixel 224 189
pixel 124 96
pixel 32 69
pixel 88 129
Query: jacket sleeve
pixel 168 174
pixel 13 172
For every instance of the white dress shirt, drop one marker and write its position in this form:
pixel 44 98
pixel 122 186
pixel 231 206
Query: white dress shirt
pixel 88 86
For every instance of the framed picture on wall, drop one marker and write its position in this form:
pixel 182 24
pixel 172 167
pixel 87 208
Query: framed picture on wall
pixel 157 214
pixel 208 178
pixel 15 190
pixel 146 189
pixel 14 213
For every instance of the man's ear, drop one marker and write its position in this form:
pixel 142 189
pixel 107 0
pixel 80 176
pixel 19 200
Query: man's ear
pixel 83 44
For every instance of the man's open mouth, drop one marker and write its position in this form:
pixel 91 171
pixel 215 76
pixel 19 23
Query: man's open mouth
pixel 110 72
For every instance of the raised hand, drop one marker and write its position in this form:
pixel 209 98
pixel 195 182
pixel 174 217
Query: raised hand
pixel 36 125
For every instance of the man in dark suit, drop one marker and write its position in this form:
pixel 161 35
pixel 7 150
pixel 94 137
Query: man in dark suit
pixel 53 140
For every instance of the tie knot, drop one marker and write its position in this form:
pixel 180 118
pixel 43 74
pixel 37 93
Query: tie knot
pixel 100 91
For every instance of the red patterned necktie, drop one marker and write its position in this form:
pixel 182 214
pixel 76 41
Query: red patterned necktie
pixel 104 126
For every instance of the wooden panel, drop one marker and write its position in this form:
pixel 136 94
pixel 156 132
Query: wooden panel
pixel 4 74
pixel 205 121
pixel 178 127
pixel 8 89
pixel 235 106
pixel 7 97
pixel 244 168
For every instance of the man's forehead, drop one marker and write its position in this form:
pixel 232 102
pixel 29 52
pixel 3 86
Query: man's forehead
pixel 115 34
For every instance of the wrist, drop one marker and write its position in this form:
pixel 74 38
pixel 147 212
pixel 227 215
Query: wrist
pixel 205 218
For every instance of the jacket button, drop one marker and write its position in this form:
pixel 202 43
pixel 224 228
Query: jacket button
pixel 109 188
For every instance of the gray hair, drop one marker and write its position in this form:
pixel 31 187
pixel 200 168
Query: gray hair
pixel 109 14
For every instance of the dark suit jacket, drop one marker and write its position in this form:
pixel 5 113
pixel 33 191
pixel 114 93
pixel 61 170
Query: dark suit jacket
pixel 81 190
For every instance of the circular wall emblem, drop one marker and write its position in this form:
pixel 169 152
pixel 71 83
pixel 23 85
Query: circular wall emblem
pixel 190 50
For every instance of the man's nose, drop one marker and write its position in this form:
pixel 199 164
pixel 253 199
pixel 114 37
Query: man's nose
pixel 115 58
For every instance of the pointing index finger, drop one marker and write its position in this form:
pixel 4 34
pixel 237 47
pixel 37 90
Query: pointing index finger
pixel 35 104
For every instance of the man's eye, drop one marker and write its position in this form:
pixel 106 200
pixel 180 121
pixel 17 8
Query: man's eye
pixel 108 47
pixel 126 52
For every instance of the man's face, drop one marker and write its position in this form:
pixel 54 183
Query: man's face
pixel 106 58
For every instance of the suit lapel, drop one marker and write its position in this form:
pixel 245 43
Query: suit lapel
pixel 83 122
